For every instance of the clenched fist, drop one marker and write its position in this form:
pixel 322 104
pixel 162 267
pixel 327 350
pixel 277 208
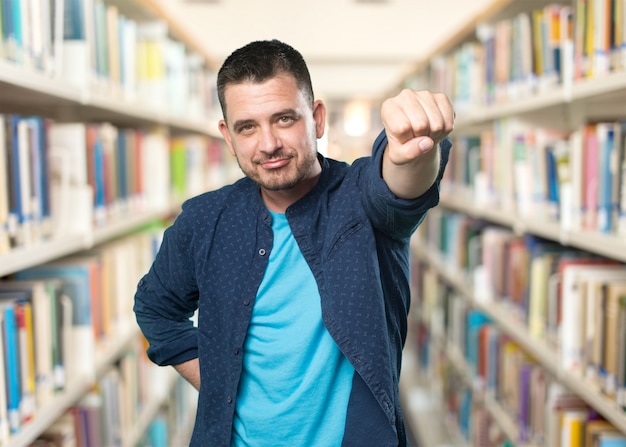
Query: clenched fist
pixel 415 122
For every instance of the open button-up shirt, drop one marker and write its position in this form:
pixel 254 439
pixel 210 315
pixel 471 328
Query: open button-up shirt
pixel 354 234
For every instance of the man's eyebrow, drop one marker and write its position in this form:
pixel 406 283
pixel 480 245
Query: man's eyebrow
pixel 240 123
pixel 285 112
pixel 289 111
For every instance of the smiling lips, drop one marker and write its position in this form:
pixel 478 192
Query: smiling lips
pixel 275 163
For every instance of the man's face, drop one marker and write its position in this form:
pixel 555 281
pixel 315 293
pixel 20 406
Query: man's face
pixel 272 130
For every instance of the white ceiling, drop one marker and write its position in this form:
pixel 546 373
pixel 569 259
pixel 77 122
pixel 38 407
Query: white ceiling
pixel 353 48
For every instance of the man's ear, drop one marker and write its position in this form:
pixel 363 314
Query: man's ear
pixel 223 127
pixel 319 115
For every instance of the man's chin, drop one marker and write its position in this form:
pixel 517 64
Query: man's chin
pixel 275 186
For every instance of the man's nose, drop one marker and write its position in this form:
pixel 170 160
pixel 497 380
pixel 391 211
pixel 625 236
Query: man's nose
pixel 270 140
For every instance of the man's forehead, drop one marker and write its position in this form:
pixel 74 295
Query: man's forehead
pixel 268 97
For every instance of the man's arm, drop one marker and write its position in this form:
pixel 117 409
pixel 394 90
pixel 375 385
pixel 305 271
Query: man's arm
pixel 415 122
pixel 190 370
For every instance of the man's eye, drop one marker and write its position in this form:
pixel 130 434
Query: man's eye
pixel 285 119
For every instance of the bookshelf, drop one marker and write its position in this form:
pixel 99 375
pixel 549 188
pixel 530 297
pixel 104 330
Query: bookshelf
pixel 146 96
pixel 106 355
pixel 533 152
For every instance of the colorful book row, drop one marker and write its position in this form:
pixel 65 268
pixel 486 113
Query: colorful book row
pixel 111 413
pixel 67 178
pixel 94 45
pixel 55 315
pixel 531 52
pixel 484 374
pixel 573 301
pixel 577 178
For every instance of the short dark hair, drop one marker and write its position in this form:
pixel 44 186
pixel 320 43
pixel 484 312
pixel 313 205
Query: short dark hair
pixel 259 61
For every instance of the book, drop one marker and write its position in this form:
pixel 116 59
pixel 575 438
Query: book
pixel 607 202
pixel 595 428
pixel 576 329
pixel 151 77
pixel 74 56
pixel 572 428
pixel 111 388
pixel 611 440
pixel 474 322
pixel 566 44
pixel 41 174
pixel 573 218
pixel 621 354
pixel 42 295
pixel 5 244
pixel 580 55
pixel 20 181
pixel 595 284
pixel 542 260
pixel 12 364
pixel 90 409
pixel 613 336
pixel 112 19
pixel 24 317
pixel 5 428
pixel 128 58
pixel 158 431
pixel 540 382
pixel 70 195
pixel 619 185
pixel 566 412
pixel 524 410
pixel 76 285
pixel 601 38
pixel 155 169
pixel 591 157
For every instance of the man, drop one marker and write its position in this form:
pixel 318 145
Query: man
pixel 299 271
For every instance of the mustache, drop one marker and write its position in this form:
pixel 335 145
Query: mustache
pixel 279 155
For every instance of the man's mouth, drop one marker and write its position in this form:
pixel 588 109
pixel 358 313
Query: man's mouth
pixel 275 163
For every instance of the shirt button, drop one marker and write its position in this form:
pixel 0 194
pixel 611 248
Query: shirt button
pixel 236 351
pixel 246 302
pixel 262 252
pixel 229 399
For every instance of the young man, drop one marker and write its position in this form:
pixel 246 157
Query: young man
pixel 299 271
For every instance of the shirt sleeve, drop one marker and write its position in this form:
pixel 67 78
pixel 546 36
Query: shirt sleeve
pixel 167 297
pixel 390 214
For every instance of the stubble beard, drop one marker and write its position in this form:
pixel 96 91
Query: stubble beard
pixel 283 178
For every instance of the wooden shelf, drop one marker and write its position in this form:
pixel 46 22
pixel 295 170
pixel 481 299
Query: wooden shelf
pixel 423 411
pixel 505 319
pixel 600 97
pixel 607 245
pixel 26 91
pixel 49 95
pixel 40 252
pixel 106 354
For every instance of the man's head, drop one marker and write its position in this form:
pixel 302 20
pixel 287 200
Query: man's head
pixel 259 61
pixel 271 121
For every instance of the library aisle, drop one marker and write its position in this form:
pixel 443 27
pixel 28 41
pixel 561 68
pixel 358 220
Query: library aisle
pixel 517 331
pixel 519 281
pixel 519 284
pixel 423 409
pixel 96 156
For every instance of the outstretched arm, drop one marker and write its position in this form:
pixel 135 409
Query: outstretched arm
pixel 415 122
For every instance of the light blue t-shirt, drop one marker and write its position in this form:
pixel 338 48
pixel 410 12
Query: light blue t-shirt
pixel 296 383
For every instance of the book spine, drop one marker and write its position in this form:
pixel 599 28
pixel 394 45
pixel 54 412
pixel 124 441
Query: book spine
pixel 12 363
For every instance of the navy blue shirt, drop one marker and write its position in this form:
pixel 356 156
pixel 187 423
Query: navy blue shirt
pixel 354 234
